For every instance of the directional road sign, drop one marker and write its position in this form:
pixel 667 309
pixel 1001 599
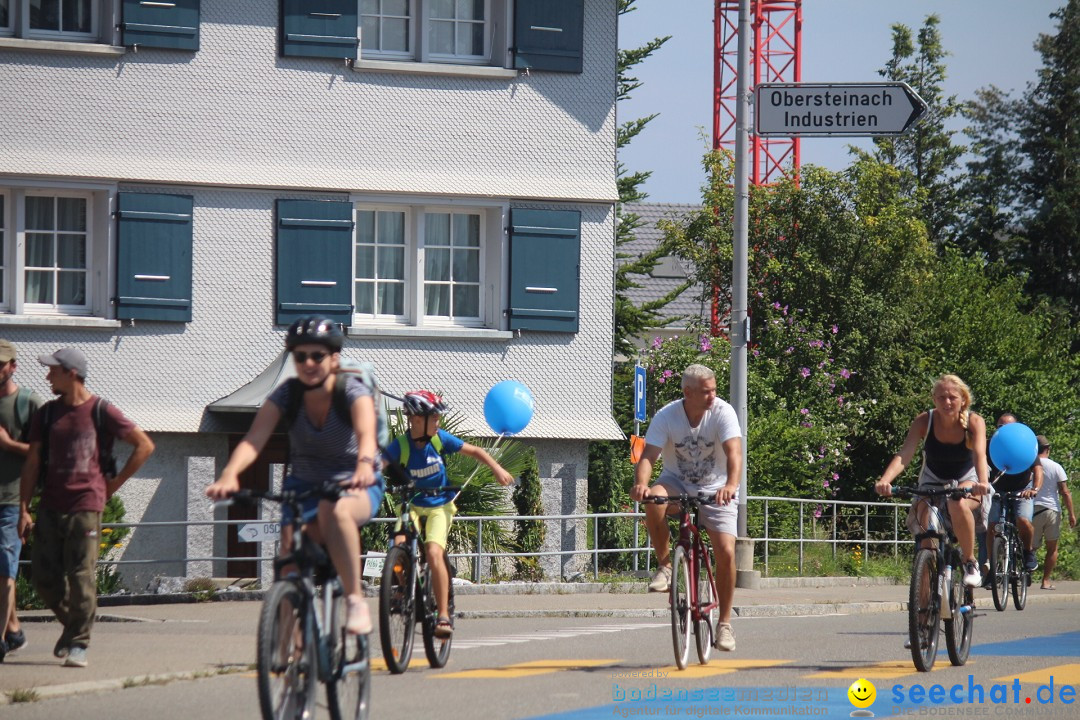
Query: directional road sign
pixel 639 393
pixel 259 532
pixel 835 109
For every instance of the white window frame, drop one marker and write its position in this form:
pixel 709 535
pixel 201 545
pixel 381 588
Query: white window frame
pixel 100 244
pixel 422 281
pixel 56 308
pixel 498 16
pixel 104 16
pixel 406 280
pixel 6 237
pixel 411 36
pixel 494 255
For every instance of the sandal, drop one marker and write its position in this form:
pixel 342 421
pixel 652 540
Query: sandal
pixel 444 628
pixel 358 618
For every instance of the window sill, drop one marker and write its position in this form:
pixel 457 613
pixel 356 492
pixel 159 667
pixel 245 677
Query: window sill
pixel 421 68
pixel 58 321
pixel 60 46
pixel 430 332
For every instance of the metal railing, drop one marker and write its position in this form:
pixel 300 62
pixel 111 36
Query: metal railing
pixel 481 559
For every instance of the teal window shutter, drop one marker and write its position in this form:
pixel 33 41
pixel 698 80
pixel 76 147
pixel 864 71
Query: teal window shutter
pixel 153 256
pixel 549 34
pixel 314 260
pixel 545 259
pixel 319 28
pixel 173 24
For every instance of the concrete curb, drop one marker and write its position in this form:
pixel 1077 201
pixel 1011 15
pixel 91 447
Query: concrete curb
pixel 49 692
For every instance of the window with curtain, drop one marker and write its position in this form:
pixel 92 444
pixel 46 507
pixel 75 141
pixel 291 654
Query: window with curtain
pixel 380 263
pixel 3 248
pixel 424 265
pixel 5 17
pixel 451 31
pixel 452 265
pixel 56 251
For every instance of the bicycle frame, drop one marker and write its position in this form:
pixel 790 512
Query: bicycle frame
pixel 690 539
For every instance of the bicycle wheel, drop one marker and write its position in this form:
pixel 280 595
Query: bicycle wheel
pixel 1019 579
pixel 397 613
pixel 680 607
pixel 348 692
pixel 924 609
pixel 959 624
pixel 705 625
pixel 999 571
pixel 285 665
pixel 437 649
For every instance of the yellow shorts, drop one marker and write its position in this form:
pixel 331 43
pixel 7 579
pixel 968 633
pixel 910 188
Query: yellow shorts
pixel 438 522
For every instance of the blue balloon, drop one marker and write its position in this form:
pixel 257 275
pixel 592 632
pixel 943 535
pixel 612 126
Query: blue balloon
pixel 1013 448
pixel 508 407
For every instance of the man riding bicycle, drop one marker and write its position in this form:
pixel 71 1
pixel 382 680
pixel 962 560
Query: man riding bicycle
pixel 701 444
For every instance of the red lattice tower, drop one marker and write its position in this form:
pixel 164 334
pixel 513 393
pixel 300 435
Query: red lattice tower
pixel 775 56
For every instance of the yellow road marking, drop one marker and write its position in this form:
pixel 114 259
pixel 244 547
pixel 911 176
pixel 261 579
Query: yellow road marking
pixel 1063 675
pixel 717 667
pixel 527 669
pixel 878 671
pixel 380 664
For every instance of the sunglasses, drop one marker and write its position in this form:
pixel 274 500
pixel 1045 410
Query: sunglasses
pixel 316 357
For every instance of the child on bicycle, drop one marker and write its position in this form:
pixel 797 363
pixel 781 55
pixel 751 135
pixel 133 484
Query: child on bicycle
pixel 421 453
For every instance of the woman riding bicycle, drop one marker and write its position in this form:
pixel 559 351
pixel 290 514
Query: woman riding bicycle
pixel 323 449
pixel 954 451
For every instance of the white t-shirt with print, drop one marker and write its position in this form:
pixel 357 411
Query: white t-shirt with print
pixel 694 455
pixel 1053 474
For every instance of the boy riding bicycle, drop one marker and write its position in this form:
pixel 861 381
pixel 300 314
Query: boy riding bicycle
pixel 421 453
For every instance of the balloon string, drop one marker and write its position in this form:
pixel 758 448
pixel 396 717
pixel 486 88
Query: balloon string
pixel 477 468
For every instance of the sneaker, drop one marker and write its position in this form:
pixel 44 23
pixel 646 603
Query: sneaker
pixel 907 644
pixel 661 581
pixel 15 640
pixel 60 650
pixel 725 638
pixel 972 577
pixel 1030 561
pixel 3 650
pixel 76 657
pixel 358 619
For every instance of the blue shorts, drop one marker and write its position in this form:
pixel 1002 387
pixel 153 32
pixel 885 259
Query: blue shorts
pixel 1025 507
pixel 310 507
pixel 10 542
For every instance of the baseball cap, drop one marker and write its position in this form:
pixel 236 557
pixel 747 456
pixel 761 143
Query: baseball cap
pixel 7 351
pixel 67 358
pixel 1043 442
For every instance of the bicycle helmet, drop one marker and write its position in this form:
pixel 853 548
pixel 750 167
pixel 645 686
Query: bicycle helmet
pixel 423 402
pixel 315 329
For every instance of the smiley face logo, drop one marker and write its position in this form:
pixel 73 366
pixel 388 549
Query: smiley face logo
pixel 862 693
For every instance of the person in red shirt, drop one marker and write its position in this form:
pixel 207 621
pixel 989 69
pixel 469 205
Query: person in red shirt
pixel 64 436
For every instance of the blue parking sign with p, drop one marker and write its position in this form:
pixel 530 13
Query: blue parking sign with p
pixel 639 393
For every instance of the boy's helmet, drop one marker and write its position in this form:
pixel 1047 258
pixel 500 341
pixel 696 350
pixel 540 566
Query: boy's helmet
pixel 423 402
pixel 315 329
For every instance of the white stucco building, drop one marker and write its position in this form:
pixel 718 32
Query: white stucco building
pixel 179 181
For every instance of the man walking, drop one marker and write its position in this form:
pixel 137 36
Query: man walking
pixel 1047 518
pixel 16 407
pixel 701 443
pixel 72 435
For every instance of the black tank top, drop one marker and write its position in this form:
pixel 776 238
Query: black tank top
pixel 946 460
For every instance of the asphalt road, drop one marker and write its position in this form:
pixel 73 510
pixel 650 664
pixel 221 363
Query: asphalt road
pixel 613 667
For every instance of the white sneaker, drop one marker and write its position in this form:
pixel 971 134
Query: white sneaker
pixel 725 638
pixel 972 576
pixel 661 581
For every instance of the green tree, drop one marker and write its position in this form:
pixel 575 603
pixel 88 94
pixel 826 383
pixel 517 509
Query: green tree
pixel 927 152
pixel 1050 140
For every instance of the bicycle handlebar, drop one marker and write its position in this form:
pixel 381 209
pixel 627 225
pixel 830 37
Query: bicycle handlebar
pixel 249 496
pixel 953 492
pixel 682 499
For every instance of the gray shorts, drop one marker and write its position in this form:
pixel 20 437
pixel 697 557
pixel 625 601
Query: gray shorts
pixel 929 479
pixel 718 518
pixel 1047 523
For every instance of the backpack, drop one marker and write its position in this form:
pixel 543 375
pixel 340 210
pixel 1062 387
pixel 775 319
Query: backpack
pixel 405 444
pixel 22 411
pixel 106 459
pixel 365 373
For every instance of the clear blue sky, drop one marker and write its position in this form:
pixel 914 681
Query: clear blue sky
pixel 990 43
